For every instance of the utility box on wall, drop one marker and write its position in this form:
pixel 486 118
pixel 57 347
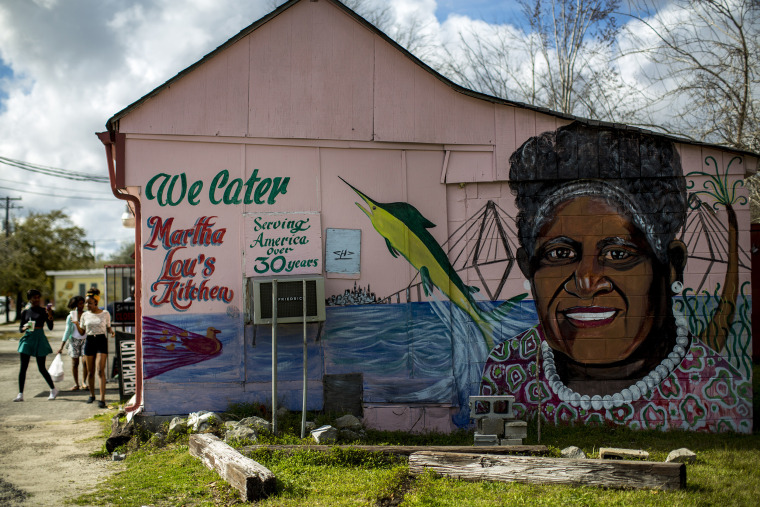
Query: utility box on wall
pixel 290 292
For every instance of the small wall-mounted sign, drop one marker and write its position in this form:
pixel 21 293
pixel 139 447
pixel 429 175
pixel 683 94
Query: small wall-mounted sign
pixel 343 251
pixel 283 243
pixel 124 312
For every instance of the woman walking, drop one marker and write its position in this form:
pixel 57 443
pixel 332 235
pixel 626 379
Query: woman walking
pixel 76 340
pixel 95 323
pixel 34 343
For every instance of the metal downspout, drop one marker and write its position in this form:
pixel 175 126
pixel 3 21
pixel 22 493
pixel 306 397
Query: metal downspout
pixel 114 145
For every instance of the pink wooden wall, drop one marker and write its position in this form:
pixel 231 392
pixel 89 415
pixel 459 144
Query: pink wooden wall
pixel 315 96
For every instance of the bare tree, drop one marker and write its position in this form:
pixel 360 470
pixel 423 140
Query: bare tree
pixel 753 188
pixel 495 59
pixel 411 32
pixel 572 34
pixel 702 59
pixel 564 61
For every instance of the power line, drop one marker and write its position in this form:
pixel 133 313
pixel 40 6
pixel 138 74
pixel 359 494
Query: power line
pixel 43 186
pixel 53 171
pixel 60 196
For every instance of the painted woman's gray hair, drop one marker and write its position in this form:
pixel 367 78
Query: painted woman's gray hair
pixel 638 174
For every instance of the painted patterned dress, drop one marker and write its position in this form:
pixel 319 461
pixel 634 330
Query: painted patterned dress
pixel 704 392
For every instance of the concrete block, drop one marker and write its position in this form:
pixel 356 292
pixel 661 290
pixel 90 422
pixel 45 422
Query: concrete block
pixel 516 429
pixel 510 441
pixel 486 440
pixel 491 426
pixel 682 455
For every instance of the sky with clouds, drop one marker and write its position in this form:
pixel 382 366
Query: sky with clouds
pixel 66 66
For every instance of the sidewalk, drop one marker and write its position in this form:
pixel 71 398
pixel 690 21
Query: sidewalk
pixel 13 326
pixel 54 338
pixel 45 445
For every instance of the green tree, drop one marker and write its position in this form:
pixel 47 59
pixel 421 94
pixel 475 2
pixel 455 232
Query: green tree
pixel 125 255
pixel 41 242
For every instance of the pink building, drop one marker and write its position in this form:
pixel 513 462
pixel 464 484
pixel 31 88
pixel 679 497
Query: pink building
pixel 463 240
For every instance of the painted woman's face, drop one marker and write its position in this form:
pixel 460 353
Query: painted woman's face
pixel 91 304
pixel 592 281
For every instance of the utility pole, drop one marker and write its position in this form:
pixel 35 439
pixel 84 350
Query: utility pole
pixel 8 207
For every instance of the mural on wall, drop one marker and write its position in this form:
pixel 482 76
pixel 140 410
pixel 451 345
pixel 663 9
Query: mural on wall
pixel 355 296
pixel 171 190
pixel 176 284
pixel 187 279
pixel 166 347
pixel 606 270
pixel 406 233
pixel 623 332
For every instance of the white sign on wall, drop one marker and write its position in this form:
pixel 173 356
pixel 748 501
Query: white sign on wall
pixel 282 244
pixel 343 251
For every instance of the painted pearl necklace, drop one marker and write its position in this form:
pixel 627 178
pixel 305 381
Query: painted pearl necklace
pixel 628 395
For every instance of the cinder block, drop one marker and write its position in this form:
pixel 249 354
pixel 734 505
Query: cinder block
pixel 510 441
pixel 516 429
pixel 485 440
pixel 491 426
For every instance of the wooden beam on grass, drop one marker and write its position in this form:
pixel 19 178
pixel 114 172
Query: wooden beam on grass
pixel 406 450
pixel 538 470
pixel 253 480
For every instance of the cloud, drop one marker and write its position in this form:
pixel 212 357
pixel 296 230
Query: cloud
pixel 68 66
pixel 71 66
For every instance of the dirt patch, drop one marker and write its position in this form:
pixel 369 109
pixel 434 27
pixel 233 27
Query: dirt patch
pixel 397 495
pixel 45 446
pixel 10 494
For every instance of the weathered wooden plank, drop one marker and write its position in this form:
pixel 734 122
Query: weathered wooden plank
pixel 505 140
pixel 406 450
pixel 253 480
pixel 617 453
pixel 539 470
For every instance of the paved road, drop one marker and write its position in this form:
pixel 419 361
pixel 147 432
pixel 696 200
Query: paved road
pixel 45 445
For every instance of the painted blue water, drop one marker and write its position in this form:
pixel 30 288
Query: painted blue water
pixel 407 353
pixel 415 352
pixel 226 367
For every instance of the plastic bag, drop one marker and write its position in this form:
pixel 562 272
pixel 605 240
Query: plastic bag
pixel 56 369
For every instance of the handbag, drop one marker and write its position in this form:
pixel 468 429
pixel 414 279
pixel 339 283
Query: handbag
pixel 56 369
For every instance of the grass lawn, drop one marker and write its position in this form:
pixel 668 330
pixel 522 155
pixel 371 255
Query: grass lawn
pixel 727 472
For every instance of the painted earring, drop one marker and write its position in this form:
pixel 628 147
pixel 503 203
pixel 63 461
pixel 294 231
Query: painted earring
pixel 526 284
pixel 676 287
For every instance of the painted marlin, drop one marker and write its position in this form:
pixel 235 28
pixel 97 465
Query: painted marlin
pixel 405 230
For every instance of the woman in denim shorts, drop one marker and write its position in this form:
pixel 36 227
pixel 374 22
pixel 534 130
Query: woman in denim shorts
pixel 76 340
pixel 96 324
